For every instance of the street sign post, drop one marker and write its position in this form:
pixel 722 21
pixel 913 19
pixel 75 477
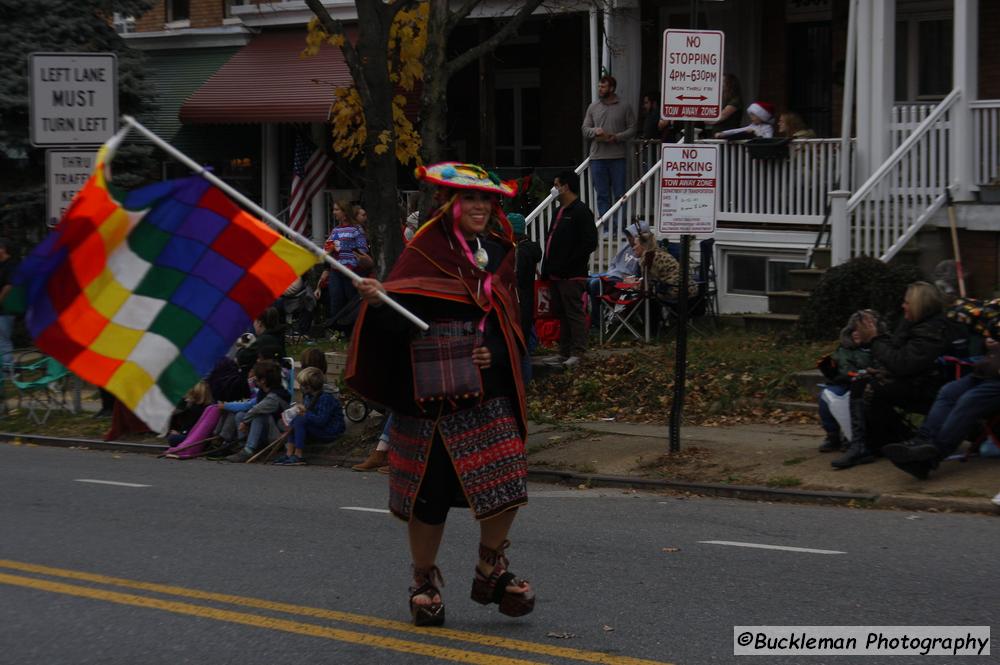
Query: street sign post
pixel 74 98
pixel 692 75
pixel 688 179
pixel 66 171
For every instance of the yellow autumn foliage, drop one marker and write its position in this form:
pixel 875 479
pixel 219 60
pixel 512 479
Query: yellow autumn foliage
pixel 407 41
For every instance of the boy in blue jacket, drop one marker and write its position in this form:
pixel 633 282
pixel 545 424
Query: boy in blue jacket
pixel 320 417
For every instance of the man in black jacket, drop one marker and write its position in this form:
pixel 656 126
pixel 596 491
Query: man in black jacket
pixel 572 239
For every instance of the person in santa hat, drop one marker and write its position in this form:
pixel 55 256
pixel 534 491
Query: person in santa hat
pixel 761 123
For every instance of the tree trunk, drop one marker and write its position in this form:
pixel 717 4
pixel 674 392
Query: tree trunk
pixel 434 96
pixel 379 174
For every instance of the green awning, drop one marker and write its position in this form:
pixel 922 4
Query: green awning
pixel 175 75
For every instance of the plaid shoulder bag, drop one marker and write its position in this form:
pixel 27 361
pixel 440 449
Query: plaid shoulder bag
pixel 442 362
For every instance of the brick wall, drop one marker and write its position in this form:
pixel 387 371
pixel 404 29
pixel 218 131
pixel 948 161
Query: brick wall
pixel 153 20
pixel 204 14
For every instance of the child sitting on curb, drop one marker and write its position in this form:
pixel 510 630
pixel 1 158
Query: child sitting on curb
pixel 840 368
pixel 320 418
pixel 256 419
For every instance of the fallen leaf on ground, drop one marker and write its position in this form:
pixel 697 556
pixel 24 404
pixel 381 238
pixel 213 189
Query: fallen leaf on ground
pixel 670 550
pixel 560 636
pixel 608 629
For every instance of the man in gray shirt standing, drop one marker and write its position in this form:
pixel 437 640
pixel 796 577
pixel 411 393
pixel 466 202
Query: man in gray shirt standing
pixel 609 123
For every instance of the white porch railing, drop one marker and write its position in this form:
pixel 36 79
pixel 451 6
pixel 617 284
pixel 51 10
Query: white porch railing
pixel 792 190
pixel 905 119
pixel 986 128
pixel 891 206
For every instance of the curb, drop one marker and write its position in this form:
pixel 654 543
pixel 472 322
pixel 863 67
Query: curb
pixel 91 444
pixel 746 492
pixel 750 492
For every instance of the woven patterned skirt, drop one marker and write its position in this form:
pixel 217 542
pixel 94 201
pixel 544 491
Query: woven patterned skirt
pixel 485 447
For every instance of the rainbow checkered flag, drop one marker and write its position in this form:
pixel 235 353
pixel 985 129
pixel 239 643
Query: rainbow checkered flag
pixel 142 292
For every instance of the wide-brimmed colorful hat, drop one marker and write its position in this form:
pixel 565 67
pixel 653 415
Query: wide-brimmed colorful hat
pixel 465 176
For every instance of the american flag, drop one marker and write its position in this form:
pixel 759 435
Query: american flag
pixel 309 168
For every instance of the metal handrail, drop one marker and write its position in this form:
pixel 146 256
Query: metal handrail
pixel 904 147
pixel 547 201
pixel 618 204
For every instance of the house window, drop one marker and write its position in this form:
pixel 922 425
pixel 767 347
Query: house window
pixel 923 57
pixel 518 118
pixel 178 10
pixel 757 274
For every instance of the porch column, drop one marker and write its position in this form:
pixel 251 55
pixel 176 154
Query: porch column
pixel 319 209
pixel 595 54
pixel 840 230
pixel 883 81
pixel 965 77
pixel 863 165
pixel 624 48
pixel 270 173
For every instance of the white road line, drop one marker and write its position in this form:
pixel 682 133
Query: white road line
pixel 364 510
pixel 108 482
pixel 759 546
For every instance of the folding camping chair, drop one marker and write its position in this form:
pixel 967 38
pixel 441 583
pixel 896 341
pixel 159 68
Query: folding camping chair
pixel 705 303
pixel 622 306
pixel 989 428
pixel 41 385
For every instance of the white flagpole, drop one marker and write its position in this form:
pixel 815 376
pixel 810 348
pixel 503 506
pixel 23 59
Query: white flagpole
pixel 266 216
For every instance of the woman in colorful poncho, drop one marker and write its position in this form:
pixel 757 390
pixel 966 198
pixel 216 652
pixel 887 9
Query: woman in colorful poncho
pixel 457 441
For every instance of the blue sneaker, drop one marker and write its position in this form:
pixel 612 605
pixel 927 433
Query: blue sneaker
pixel 295 460
pixel 281 461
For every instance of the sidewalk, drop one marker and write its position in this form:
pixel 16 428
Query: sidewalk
pixel 757 461
pixel 782 458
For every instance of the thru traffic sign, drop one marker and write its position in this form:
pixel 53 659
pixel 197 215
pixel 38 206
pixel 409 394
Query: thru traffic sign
pixel 692 74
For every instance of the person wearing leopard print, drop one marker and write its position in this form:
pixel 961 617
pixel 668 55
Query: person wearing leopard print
pixel 661 267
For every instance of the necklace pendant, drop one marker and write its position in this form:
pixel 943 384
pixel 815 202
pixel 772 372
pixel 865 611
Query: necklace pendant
pixel 482 258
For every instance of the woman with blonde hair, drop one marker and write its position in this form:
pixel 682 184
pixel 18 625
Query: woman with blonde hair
pixel 906 372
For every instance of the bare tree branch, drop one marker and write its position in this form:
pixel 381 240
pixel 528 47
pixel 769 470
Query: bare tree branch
pixel 483 48
pixel 454 18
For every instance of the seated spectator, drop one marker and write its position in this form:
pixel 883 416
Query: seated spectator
pixel 662 268
pixel 313 357
pixel 840 368
pixel 625 263
pixel 905 374
pixel 226 383
pixel 268 343
pixel 955 415
pixel 188 412
pixel 792 126
pixel 320 417
pixel 761 124
pixel 255 420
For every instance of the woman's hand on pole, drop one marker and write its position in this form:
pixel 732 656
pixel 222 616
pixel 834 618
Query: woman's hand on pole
pixel 481 357
pixel 369 290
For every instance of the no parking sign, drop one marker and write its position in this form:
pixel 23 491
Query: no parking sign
pixel 688 179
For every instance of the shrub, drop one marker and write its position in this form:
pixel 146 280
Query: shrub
pixel 861 283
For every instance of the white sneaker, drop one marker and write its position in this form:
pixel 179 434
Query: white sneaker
pixel 996 500
pixel 572 361
pixel 555 360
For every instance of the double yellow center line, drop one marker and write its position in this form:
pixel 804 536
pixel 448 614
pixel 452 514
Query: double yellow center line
pixel 367 639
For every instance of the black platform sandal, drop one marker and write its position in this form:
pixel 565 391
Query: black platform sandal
pixel 429 584
pixel 493 589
